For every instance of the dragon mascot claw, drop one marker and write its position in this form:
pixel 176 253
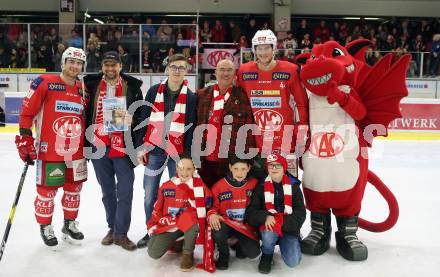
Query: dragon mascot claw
pixel 350 103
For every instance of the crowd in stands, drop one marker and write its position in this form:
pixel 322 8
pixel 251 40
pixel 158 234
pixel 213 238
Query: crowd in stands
pixel 160 41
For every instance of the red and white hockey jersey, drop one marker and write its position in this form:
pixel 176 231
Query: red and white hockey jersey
pixel 58 110
pixel 230 202
pixel 274 95
pixel 173 209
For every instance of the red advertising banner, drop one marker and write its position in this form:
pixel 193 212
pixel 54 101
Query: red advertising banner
pixel 418 117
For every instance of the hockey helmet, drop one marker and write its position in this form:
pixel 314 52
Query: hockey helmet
pixel 73 53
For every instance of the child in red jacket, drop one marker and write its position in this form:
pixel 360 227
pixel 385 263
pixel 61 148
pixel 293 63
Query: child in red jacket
pixel 231 195
pixel 180 210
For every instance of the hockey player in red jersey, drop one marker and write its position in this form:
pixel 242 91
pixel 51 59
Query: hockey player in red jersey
pixel 231 195
pixel 180 210
pixel 55 106
pixel 278 100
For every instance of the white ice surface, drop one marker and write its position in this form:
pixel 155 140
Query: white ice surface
pixel 412 248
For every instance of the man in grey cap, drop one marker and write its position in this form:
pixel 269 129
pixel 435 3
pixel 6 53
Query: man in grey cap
pixel 112 85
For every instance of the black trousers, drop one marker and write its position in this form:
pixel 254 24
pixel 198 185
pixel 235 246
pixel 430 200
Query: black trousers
pixel 249 247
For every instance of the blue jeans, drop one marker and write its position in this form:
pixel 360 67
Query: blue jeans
pixel 152 174
pixel 289 247
pixel 117 195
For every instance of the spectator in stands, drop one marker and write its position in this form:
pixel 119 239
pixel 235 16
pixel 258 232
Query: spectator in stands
pixel 303 29
pixel 418 45
pixel 93 58
pixel 218 32
pixel 290 42
pixel 56 58
pixel 52 43
pixel 335 30
pixel 164 32
pixel 147 63
pixel 251 29
pixel 75 40
pixel 124 58
pixel 191 31
pixel 5 58
pixel 43 60
pixel 117 40
pixel 233 33
pixel 93 39
pixel 343 32
pixel 435 55
pixel 370 57
pixel 306 42
pixel 148 30
pixel 265 26
pixel 390 44
pixel 243 42
pixel 205 32
pixel 322 31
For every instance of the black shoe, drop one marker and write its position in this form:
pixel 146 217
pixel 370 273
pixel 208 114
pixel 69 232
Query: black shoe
pixel 239 254
pixel 318 240
pixel 142 243
pixel 70 230
pixel 222 262
pixel 48 235
pixel 347 242
pixel 265 264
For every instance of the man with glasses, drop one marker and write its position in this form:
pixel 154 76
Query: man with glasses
pixel 220 104
pixel 170 109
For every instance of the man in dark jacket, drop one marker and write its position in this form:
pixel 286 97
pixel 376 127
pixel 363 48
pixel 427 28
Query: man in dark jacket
pixel 277 209
pixel 170 109
pixel 218 105
pixel 111 85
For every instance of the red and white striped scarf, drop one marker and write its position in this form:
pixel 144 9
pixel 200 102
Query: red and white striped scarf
pixel 269 195
pixel 216 119
pixel 269 199
pixel 154 134
pixel 116 139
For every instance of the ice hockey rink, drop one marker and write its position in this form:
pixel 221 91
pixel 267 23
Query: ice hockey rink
pixel 410 168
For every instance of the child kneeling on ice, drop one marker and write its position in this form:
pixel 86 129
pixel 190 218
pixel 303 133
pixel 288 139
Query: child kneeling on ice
pixel 180 210
pixel 277 209
pixel 231 195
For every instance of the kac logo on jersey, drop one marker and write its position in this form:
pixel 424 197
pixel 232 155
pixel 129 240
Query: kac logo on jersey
pixel 56 87
pixel 285 76
pixel 227 195
pixel 68 127
pixel 169 193
pixel 326 145
pixel 266 102
pixel 68 107
pixel 249 76
pixel 268 120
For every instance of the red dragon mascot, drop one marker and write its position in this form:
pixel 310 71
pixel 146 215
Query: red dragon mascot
pixel 349 104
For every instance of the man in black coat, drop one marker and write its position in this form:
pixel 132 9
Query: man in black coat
pixel 111 85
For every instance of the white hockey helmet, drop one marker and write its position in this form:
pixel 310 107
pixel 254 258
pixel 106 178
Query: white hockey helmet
pixel 264 37
pixel 74 53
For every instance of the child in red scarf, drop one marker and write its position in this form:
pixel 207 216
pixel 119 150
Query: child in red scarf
pixel 277 209
pixel 231 195
pixel 180 210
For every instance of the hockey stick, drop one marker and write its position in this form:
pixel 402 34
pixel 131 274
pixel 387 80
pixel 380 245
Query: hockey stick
pixel 12 213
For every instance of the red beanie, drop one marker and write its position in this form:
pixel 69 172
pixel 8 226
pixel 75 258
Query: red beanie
pixel 275 158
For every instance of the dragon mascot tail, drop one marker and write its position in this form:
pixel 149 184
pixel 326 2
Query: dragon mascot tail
pixel 393 207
